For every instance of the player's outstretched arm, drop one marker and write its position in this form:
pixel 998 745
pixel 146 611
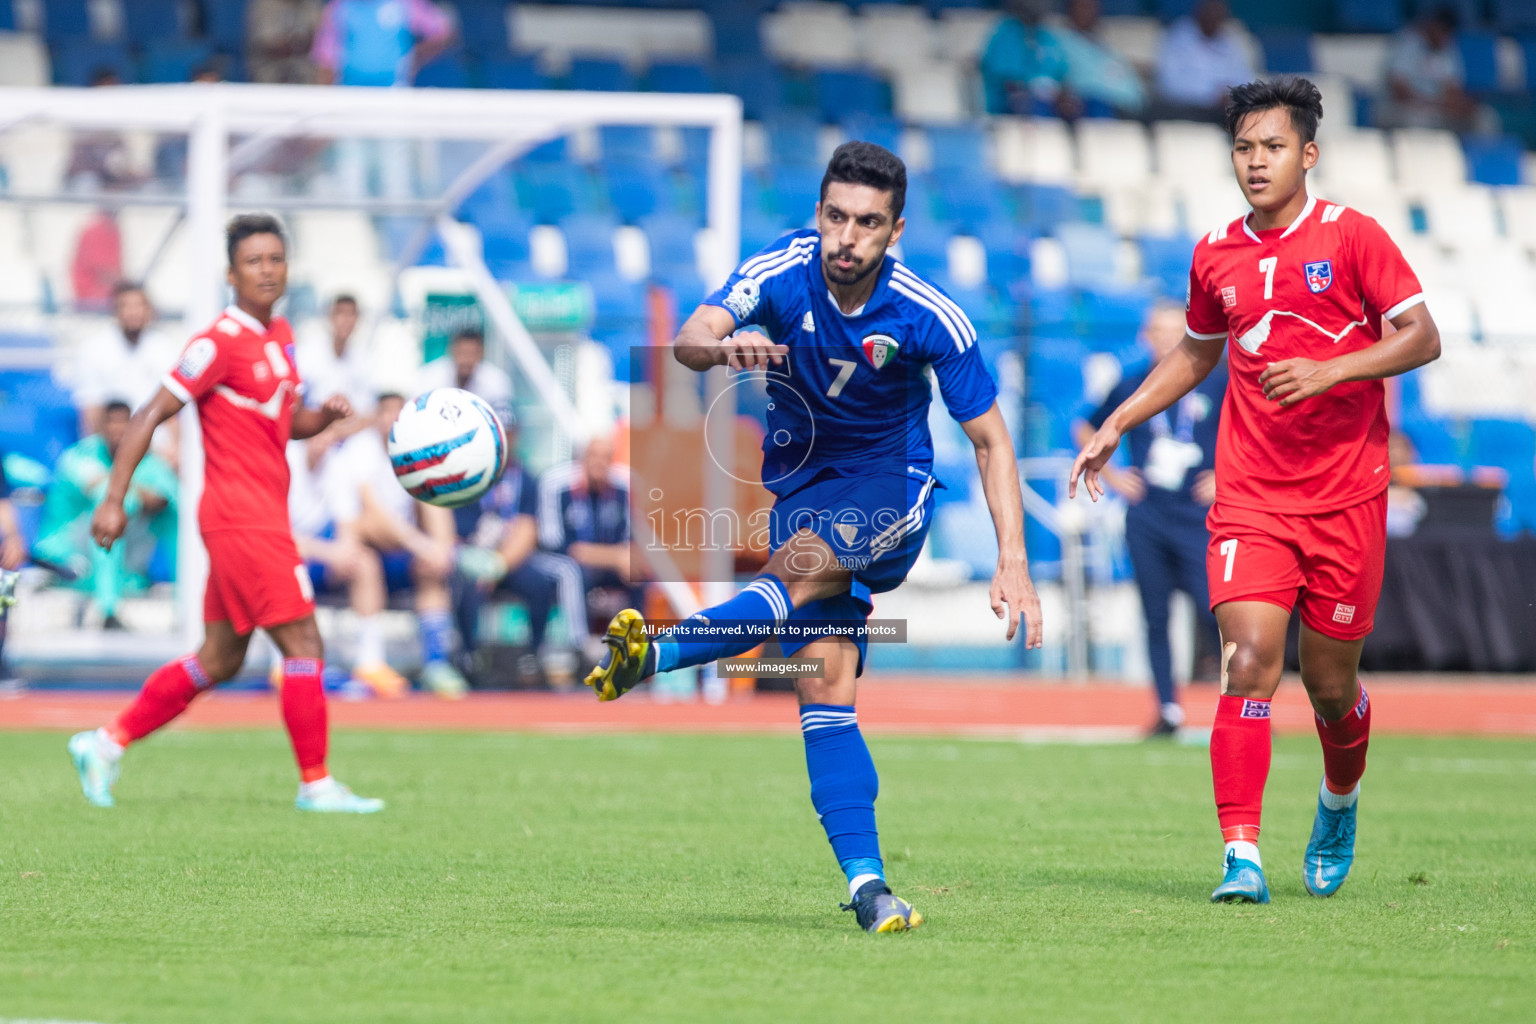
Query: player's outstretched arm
pixel 1416 341
pixel 1011 585
pixel 307 423
pixel 1175 376
pixel 109 520
pixel 709 338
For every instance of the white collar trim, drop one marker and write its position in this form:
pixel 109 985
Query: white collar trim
pixel 241 316
pixel 1305 210
pixel 859 311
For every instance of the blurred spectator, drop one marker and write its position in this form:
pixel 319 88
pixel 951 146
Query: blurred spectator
pixel 500 555
pixel 100 160
pixel 1202 56
pixel 337 557
pixel 12 550
pixel 126 361
pixel 278 36
pixel 1024 68
pixel 1426 80
pixel 1405 506
pixel 98 264
pixel 378 42
pixel 416 541
pixel 584 515
pixel 1169 485
pixel 335 362
pixel 1104 79
pixel 79 484
pixel 465 367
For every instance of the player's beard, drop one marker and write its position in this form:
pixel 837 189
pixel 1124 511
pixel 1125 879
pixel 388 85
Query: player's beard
pixel 853 275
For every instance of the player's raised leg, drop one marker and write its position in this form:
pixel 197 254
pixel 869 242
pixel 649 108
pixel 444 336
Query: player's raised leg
pixel 844 785
pixel 168 691
pixel 803 569
pixel 1330 672
pixel 1252 657
pixel 304 713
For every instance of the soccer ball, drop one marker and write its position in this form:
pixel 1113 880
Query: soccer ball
pixel 447 447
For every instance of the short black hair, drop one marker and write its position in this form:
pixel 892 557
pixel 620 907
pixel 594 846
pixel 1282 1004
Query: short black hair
pixel 473 334
pixel 122 288
pixel 247 224
pixel 1296 94
pixel 116 405
pixel 1448 17
pixel 864 163
pixel 344 300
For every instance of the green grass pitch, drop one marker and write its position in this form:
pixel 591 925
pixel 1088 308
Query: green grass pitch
pixel 684 878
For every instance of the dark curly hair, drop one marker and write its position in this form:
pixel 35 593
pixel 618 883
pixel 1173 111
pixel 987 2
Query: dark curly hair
pixel 864 163
pixel 247 224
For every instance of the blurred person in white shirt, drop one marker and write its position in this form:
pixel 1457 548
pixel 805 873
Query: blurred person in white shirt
pixel 1202 56
pixel 125 361
pixel 465 367
pixel 416 542
pixel 333 361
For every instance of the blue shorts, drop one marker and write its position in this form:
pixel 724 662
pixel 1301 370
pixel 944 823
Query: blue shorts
pixel 397 568
pixel 875 526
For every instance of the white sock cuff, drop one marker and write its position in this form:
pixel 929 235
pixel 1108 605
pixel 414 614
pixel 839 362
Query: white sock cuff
pixel 1173 713
pixel 857 882
pixel 1337 801
pixel 109 747
pixel 1243 851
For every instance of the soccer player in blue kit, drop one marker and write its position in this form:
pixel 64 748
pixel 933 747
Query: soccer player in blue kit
pixel 852 338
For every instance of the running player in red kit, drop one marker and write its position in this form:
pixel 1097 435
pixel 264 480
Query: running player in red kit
pixel 1300 286
pixel 241 374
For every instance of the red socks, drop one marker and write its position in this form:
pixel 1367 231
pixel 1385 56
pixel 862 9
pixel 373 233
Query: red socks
pixel 1240 751
pixel 1344 744
pixel 166 694
pixel 304 715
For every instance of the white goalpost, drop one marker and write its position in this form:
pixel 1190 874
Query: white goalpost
pixel 224 124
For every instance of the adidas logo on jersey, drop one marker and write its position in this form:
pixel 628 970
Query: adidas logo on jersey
pixel 808 322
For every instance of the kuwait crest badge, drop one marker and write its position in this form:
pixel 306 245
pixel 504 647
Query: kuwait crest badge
pixel 880 349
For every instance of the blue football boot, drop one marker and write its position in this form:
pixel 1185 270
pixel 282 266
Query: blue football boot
pixel 879 911
pixel 1330 851
pixel 1243 883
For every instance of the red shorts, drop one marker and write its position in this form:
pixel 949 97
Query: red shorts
pixel 255 578
pixel 1331 562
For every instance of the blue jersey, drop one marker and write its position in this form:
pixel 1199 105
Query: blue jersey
pixel 852 395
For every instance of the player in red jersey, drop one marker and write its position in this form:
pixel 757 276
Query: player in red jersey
pixel 240 373
pixel 1301 287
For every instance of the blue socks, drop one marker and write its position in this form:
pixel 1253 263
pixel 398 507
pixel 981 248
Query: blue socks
pixel 764 600
pixel 843 788
pixel 436 636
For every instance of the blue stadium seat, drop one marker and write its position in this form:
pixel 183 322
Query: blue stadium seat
pixel 551 152
pixel 1007 258
pixel 759 84
pixel 77 61
pixel 1294 14
pixel 1436 445
pixel 618 304
pixel 1287 51
pixel 925 253
pixel 1111 318
pixel 758 231
pixel 149 21
pixel 1469 12
pixel 880 129
pixel 595 75
pixel 1090 252
pixel 448 70
pixel 483 27
pixel 960 148
pixel 687 290
pixel 174 60
pixel 224 24
pixel 1122 8
pixel 671 242
pixel 637 189
pixel 550 191
pixel 511 72
pixel 1168 10
pixel 1370 15
pixel 679 77
pixel 970 200
pixel 1051 310
pixel 792 142
pixel 589 244
pixel 1479 55
pixel 736 30
pixel 37 416
pixel 841 92
pixel 1511 446
pixel 1514 17
pixel 796 190
pixel 1045 207
pixel 7 16
pixel 627 143
pixel 494 206
pixel 1493 161
pixel 66 19
pixel 1165 260
pixel 507 256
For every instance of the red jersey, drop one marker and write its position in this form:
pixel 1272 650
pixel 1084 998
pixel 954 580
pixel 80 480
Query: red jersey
pixel 1315 290
pixel 242 377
